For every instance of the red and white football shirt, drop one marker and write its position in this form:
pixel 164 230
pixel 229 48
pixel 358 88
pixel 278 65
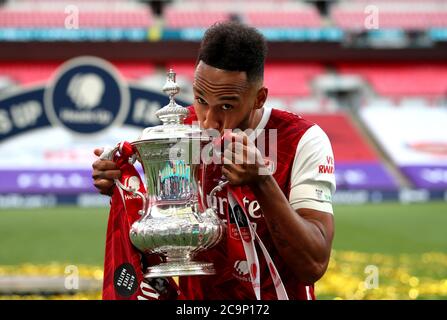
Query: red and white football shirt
pixel 304 170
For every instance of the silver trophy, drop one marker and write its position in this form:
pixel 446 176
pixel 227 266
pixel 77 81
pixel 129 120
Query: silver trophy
pixel 176 222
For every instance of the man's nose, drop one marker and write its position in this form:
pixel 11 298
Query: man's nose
pixel 212 121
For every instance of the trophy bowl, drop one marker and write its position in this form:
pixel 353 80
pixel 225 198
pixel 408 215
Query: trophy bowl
pixel 176 222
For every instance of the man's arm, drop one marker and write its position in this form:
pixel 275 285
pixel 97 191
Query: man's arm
pixel 303 237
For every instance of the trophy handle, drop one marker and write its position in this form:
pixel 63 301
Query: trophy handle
pixel 109 154
pixel 218 188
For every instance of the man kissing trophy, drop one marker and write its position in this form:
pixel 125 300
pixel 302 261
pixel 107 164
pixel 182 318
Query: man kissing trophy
pixel 168 218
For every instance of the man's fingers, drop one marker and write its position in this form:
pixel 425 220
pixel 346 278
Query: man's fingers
pixel 231 176
pixel 104 186
pixel 237 147
pixel 236 141
pixel 112 174
pixel 239 136
pixel 104 165
pixel 227 156
pixel 232 167
pixel 231 157
pixel 107 174
pixel 104 172
pixel 246 156
pixel 240 153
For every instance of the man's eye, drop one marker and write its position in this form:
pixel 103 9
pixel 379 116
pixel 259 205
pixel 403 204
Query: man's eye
pixel 200 100
pixel 227 107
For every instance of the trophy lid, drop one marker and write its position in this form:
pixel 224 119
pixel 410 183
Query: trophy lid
pixel 172 117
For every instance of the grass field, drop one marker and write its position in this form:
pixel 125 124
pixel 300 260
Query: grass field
pixel 406 242
pixel 392 228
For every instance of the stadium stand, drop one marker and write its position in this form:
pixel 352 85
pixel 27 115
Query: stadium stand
pixel 357 164
pixel 283 79
pixel 291 79
pixel 28 73
pixel 339 127
pixel 92 14
pixel 411 15
pixel 176 18
pixel 300 17
pixel 393 80
pixel 265 14
pixel 292 84
pixel 415 139
pixel 400 80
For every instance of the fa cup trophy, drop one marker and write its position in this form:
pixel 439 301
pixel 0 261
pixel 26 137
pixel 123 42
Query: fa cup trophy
pixel 176 222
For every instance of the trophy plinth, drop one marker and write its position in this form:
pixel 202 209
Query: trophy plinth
pixel 182 267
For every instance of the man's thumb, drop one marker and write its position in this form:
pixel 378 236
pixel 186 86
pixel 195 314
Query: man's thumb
pixel 98 151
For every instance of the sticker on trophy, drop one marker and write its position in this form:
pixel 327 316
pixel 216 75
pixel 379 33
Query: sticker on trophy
pixel 237 213
pixel 125 280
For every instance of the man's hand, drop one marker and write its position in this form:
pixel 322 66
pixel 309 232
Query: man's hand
pixel 243 163
pixel 104 171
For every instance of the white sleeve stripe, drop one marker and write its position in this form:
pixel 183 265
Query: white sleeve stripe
pixel 317 197
pixel 316 191
pixel 312 204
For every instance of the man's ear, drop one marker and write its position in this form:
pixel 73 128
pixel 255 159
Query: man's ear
pixel 261 97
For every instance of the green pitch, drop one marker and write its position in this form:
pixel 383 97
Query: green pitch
pixel 77 235
pixel 406 243
pixel 392 228
pixel 63 234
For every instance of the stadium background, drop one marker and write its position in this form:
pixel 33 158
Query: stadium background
pixel 372 74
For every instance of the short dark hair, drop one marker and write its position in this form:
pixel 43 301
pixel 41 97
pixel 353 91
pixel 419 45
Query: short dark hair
pixel 234 46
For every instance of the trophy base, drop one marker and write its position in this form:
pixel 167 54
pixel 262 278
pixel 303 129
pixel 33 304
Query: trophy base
pixel 172 269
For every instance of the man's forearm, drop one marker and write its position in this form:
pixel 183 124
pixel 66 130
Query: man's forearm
pixel 300 240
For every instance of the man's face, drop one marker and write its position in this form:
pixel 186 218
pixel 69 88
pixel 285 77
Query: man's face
pixel 224 99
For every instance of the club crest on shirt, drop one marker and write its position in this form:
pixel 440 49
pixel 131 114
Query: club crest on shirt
pixel 132 182
pixel 241 270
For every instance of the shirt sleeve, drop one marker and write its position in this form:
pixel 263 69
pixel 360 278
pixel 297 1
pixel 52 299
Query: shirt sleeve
pixel 313 179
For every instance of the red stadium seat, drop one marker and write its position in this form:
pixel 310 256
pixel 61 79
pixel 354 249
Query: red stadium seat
pixel 279 13
pixel 181 18
pixel 340 131
pixel 300 18
pixel 25 73
pixel 290 79
pixel 392 15
pixel 182 68
pixel 106 19
pixel 282 79
pixel 399 80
